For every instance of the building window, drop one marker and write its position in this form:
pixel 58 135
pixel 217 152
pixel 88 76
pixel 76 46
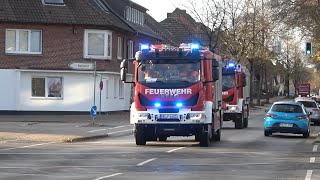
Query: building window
pixel 20 41
pixel 47 87
pixel 120 47
pixel 121 89
pixel 130 49
pixel 115 87
pixel 97 44
pixel 134 15
pixel 53 2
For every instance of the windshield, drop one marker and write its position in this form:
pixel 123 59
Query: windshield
pixel 228 82
pixel 164 72
pixel 286 108
pixel 304 89
pixel 309 104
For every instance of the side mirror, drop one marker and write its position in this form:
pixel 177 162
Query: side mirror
pixel 266 110
pixel 123 70
pixel 215 70
pixel 244 79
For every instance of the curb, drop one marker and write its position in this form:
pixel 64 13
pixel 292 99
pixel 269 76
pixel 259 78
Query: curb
pixel 86 138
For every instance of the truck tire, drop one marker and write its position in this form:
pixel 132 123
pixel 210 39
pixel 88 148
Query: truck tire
pixel 204 138
pixel 239 123
pixel 217 136
pixel 139 136
pixel 246 119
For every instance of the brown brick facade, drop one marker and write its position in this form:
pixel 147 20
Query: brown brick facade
pixel 62 45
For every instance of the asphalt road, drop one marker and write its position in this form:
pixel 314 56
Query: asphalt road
pixel 241 155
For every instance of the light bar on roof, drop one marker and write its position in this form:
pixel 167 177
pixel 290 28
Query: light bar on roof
pixel 144 47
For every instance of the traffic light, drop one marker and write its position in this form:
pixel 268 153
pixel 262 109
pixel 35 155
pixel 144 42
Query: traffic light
pixel 308 48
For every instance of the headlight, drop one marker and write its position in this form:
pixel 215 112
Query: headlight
pixel 196 116
pixel 232 108
pixel 144 116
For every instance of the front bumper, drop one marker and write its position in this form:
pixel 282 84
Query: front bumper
pixel 173 129
pixel 182 116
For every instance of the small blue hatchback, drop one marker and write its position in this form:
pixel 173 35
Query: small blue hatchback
pixel 287 117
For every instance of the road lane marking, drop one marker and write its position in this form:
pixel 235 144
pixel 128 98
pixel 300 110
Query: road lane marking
pixel 96 130
pixel 104 177
pixel 172 150
pixel 309 174
pixel 147 161
pixel 312 159
pixel 5 141
pixel 315 148
pixel 119 131
pixel 22 147
pixel 119 127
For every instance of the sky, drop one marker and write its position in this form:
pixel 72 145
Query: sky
pixel 158 9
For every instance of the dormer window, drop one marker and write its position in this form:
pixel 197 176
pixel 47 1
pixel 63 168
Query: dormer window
pixel 134 15
pixel 53 2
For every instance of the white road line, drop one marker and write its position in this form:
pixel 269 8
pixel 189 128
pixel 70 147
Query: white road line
pixel 312 159
pixel 104 177
pixel 309 174
pixel 96 130
pixel 26 146
pixel 120 131
pixel 172 150
pixel 5 141
pixel 315 148
pixel 147 161
pixel 119 127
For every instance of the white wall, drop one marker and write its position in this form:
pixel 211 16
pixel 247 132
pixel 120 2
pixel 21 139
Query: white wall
pixel 8 79
pixel 77 93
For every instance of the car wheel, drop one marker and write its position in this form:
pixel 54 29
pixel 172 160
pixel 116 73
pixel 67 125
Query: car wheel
pixel 266 133
pixel 306 135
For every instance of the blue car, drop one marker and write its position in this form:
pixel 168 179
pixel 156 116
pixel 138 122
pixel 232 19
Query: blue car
pixel 287 117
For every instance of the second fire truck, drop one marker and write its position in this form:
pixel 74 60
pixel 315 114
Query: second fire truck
pixel 177 93
pixel 235 94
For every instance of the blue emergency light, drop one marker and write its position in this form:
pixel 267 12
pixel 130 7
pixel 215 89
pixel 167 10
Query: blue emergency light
pixel 157 104
pixel 144 47
pixel 195 46
pixel 179 104
pixel 231 65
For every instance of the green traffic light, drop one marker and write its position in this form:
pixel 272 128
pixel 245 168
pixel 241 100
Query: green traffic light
pixel 308 52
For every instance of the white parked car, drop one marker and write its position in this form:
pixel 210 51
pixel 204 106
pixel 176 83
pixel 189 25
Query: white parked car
pixel 311 106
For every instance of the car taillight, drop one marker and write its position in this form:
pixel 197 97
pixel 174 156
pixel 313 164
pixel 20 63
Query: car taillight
pixel 315 110
pixel 271 115
pixel 302 117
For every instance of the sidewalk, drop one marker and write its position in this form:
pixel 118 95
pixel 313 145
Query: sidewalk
pixel 61 128
pixel 271 100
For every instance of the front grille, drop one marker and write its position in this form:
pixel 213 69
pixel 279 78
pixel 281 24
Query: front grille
pixel 169 110
pixel 192 101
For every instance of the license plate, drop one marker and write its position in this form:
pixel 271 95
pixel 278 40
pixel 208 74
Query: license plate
pixel 286 125
pixel 169 116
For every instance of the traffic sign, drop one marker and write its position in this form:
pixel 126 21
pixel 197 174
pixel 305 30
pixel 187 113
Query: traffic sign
pixel 93 111
pixel 101 85
pixel 81 66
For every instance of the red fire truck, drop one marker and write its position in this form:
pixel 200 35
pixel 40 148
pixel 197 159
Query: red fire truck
pixel 177 93
pixel 235 94
pixel 303 89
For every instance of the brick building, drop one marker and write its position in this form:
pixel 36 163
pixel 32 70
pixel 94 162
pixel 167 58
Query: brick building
pixel 39 39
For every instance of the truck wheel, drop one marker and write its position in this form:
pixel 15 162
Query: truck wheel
pixel 205 136
pixel 239 123
pixel 245 123
pixel 162 138
pixel 217 136
pixel 139 135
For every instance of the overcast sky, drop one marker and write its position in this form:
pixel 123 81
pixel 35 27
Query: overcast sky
pixel 158 9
